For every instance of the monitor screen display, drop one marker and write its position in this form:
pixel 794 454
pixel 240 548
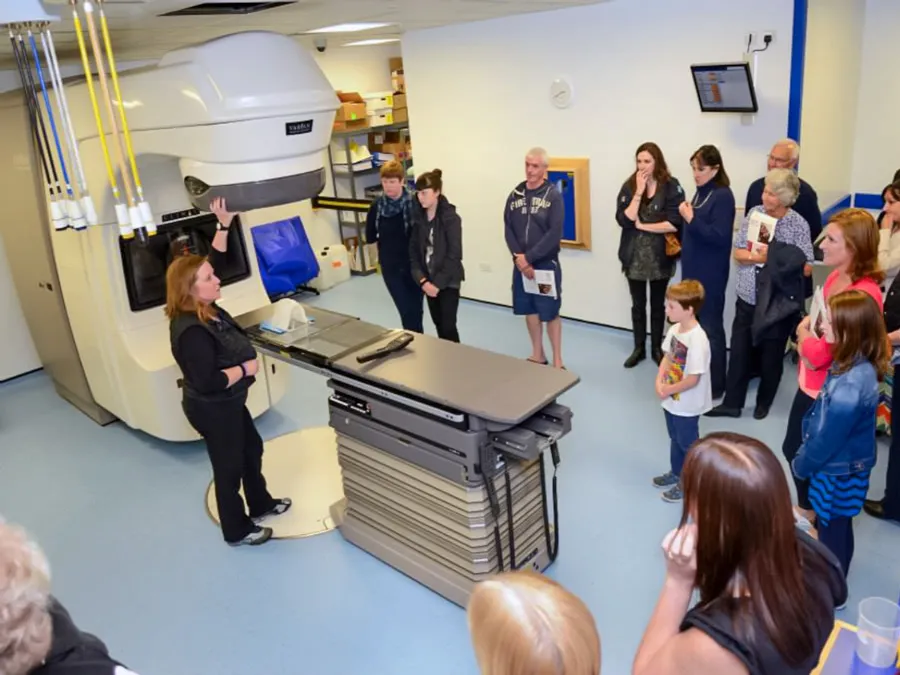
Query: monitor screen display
pixel 145 265
pixel 725 87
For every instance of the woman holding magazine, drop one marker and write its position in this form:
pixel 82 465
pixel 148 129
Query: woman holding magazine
pixel 773 221
pixel 850 247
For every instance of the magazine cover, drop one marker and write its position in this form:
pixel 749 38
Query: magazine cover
pixel 817 313
pixel 760 230
pixel 544 283
pixel 677 363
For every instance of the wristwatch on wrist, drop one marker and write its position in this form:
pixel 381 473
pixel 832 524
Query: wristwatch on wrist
pixel 243 369
pixel 221 228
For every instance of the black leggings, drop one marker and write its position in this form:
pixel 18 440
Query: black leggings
pixel 235 451
pixel 793 439
pixel 638 291
pixel 838 538
pixel 443 310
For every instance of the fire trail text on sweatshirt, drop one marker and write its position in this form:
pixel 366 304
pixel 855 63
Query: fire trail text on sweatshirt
pixel 534 222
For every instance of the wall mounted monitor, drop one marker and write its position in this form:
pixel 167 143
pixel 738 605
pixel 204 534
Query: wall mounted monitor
pixel 725 87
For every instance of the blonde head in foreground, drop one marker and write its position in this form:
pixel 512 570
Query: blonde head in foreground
pixel 523 623
pixel 25 624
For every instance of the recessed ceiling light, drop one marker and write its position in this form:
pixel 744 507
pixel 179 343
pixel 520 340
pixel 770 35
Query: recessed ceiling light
pixel 348 27
pixel 376 41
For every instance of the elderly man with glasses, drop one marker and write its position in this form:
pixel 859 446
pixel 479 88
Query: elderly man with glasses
pixel 785 154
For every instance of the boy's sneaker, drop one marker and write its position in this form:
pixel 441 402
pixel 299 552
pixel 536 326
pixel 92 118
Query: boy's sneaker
pixel 257 536
pixel 673 495
pixel 667 480
pixel 281 505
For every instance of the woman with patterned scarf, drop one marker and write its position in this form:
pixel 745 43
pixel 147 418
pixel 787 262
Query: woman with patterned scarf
pixel 389 223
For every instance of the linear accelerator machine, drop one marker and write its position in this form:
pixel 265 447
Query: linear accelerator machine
pixel 434 458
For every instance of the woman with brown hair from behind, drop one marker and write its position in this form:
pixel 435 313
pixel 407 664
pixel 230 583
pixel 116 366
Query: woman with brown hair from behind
pixel 523 623
pixel 767 589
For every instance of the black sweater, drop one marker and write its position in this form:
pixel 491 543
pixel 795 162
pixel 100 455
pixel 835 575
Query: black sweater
pixel 392 240
pixel 74 652
pixel 199 354
pixel 444 236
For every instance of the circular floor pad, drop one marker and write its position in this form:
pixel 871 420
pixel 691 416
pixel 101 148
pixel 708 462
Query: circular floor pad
pixel 302 465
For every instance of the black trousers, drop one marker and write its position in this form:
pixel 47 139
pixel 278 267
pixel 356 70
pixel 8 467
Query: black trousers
pixel 444 309
pixel 793 439
pixel 235 451
pixel 407 297
pixel 838 538
pixel 771 358
pixel 891 503
pixel 638 291
pixel 712 320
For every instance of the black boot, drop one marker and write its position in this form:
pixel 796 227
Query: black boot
pixel 657 332
pixel 639 328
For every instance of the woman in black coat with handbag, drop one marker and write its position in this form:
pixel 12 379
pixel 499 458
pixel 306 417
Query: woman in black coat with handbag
pixel 435 250
pixel 647 212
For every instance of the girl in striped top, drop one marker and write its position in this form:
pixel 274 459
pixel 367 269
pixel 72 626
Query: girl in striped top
pixel 838 450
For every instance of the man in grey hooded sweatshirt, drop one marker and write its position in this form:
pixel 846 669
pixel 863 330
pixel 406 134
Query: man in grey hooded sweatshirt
pixel 533 222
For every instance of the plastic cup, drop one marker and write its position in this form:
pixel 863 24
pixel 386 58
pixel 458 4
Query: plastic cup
pixel 878 632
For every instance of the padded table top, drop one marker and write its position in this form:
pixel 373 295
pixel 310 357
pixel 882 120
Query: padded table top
pixel 479 382
pixel 493 386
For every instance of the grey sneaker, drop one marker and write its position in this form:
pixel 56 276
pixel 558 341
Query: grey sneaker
pixel 281 505
pixel 257 536
pixel 673 495
pixel 667 480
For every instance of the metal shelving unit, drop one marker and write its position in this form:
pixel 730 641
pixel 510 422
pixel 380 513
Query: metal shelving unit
pixel 355 219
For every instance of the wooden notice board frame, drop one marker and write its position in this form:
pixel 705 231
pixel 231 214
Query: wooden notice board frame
pixel 574 174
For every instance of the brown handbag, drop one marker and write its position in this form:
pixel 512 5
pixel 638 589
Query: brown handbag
pixel 673 246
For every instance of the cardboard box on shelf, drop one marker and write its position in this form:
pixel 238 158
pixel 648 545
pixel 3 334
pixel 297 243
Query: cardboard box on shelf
pixel 358 153
pixel 352 113
pixel 381 119
pixel 400 115
pixel 399 101
pixel 396 63
pixel 379 102
pixel 398 82
pixel 390 143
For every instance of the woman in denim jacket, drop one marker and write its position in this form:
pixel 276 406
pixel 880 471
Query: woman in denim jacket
pixel 838 450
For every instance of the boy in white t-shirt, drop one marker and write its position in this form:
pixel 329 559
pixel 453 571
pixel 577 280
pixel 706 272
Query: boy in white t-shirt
pixel 683 379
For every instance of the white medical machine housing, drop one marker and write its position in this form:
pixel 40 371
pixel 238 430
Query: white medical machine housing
pixel 246 117
pixel 24 11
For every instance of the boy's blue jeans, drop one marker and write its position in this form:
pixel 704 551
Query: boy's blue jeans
pixel 683 431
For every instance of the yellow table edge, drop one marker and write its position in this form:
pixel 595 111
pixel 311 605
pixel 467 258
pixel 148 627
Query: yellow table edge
pixel 826 650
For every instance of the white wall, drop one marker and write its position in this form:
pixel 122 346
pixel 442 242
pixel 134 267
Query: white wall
pixel 831 96
pixel 877 147
pixel 18 354
pixel 362 69
pixel 479 98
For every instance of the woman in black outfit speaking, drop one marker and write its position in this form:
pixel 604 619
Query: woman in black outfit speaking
pixel 435 250
pixel 219 366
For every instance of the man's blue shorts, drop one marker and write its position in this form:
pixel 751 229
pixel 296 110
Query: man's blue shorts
pixel 545 307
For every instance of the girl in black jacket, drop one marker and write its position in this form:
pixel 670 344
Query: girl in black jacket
pixel 435 251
